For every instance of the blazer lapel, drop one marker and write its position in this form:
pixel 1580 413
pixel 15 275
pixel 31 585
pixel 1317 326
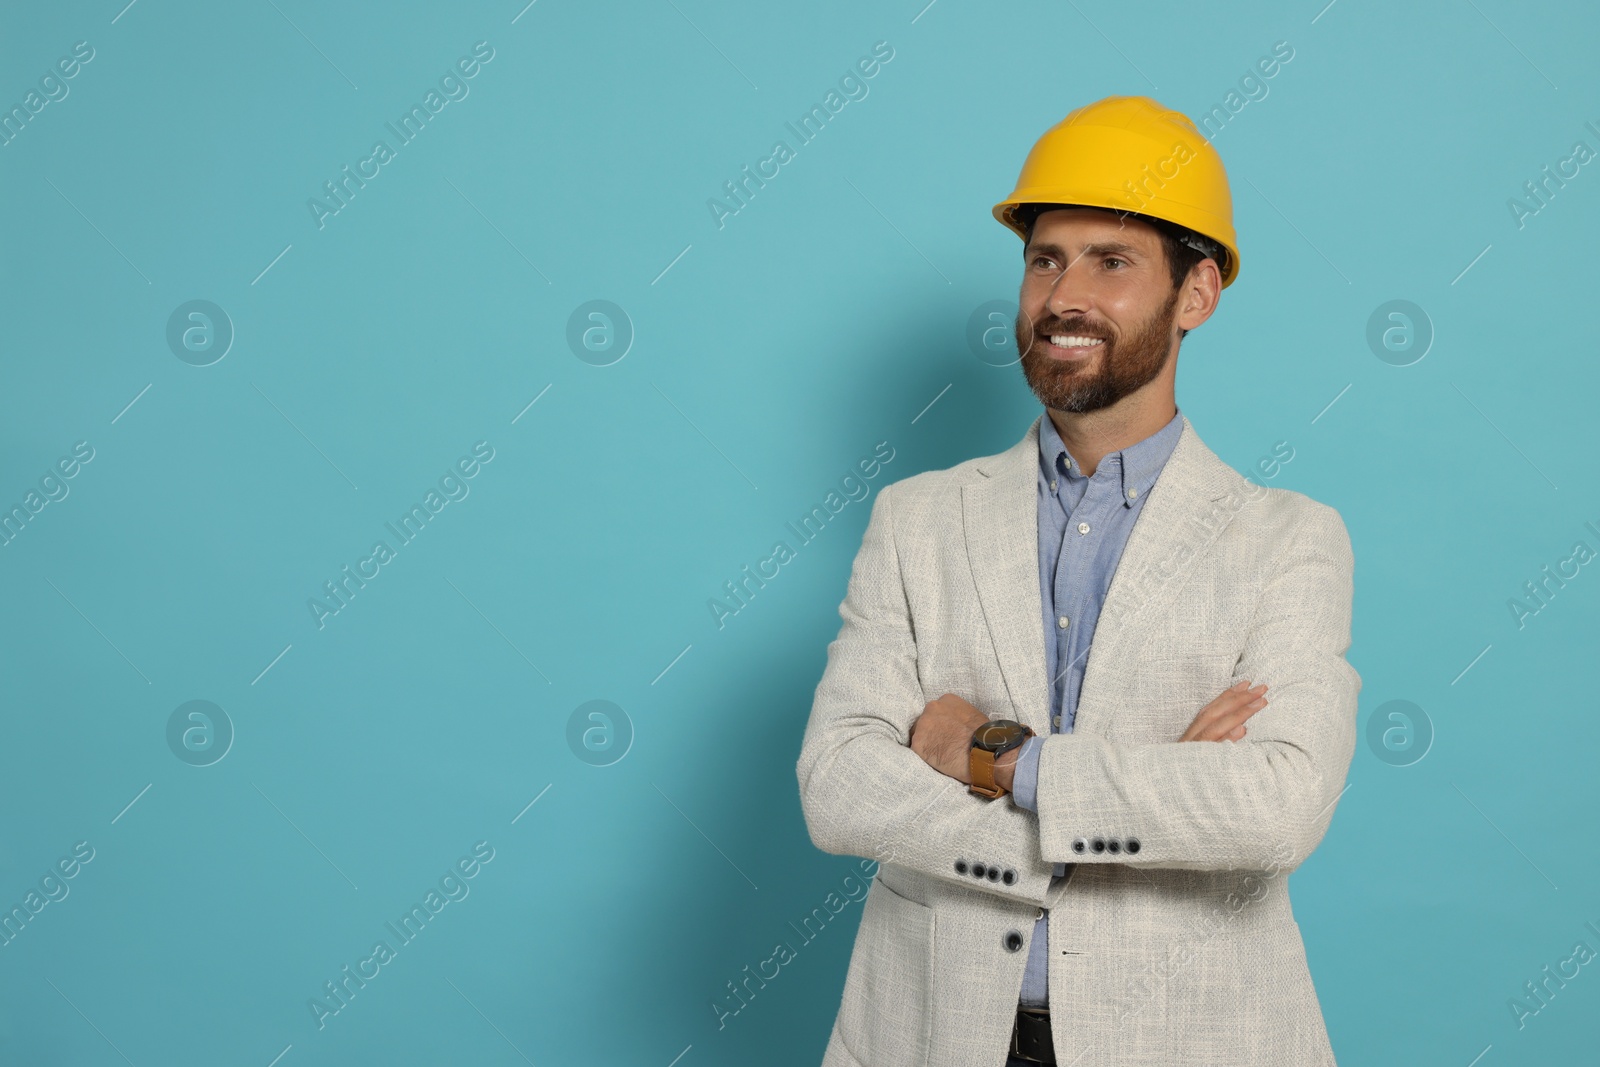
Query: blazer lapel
pixel 1181 518
pixel 1000 519
pixel 1000 516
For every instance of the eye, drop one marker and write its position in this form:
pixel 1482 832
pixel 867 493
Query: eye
pixel 1116 259
pixel 1041 259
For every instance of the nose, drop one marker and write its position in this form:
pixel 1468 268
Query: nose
pixel 1069 293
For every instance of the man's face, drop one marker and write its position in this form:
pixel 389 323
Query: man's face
pixel 1090 276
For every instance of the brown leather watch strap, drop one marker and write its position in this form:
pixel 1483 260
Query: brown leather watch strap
pixel 982 768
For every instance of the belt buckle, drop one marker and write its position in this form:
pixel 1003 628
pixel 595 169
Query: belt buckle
pixel 1034 1015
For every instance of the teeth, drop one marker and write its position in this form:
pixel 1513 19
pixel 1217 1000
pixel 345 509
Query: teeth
pixel 1062 341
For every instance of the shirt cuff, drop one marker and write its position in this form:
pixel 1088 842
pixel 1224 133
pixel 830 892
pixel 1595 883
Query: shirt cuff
pixel 1025 776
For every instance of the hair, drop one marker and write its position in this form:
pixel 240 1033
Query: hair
pixel 1181 257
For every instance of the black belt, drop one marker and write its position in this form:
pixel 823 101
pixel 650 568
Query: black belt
pixel 1030 1036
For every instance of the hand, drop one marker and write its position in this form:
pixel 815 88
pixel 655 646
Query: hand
pixel 1223 718
pixel 942 736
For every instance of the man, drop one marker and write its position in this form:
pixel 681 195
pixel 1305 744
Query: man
pixel 1034 714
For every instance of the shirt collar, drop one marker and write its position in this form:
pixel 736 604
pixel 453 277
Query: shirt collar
pixel 1139 463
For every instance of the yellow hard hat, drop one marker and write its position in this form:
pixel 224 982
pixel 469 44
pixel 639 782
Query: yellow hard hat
pixel 1128 153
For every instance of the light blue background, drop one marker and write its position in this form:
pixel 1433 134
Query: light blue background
pixel 773 354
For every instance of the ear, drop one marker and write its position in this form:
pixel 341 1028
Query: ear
pixel 1199 295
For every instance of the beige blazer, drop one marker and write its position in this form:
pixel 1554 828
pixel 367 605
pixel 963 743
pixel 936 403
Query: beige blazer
pixel 1172 942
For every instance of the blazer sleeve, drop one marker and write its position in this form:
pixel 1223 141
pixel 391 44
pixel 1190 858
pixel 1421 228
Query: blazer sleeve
pixel 1263 802
pixel 863 790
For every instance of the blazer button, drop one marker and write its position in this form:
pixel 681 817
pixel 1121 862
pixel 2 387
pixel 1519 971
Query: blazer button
pixel 1013 941
pixel 1080 845
pixel 1009 877
pixel 1114 845
pixel 1098 845
pixel 978 870
pixel 1133 845
pixel 994 874
pixel 961 866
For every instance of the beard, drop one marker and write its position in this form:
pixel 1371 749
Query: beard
pixel 1120 367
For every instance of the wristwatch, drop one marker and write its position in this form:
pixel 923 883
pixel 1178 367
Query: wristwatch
pixel 989 742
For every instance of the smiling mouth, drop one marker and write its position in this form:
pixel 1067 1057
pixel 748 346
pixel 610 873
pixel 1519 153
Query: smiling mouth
pixel 1072 346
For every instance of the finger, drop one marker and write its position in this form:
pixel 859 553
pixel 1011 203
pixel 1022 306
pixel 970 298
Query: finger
pixel 1220 726
pixel 1230 702
pixel 1234 716
pixel 1233 692
pixel 1210 727
pixel 1236 695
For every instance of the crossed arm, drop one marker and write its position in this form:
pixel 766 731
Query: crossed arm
pixel 942 736
pixel 1250 805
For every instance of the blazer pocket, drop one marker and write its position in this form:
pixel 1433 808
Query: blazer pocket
pixel 886 1016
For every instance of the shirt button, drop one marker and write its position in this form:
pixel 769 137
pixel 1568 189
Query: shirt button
pixel 1062 622
pixel 1132 493
pixel 1083 527
pixel 1052 485
pixel 1056 722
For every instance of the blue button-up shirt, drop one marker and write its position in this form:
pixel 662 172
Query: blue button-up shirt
pixel 1083 526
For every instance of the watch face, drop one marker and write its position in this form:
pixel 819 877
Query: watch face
pixel 996 735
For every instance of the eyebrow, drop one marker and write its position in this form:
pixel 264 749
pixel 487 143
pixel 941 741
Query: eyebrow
pixel 1098 249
